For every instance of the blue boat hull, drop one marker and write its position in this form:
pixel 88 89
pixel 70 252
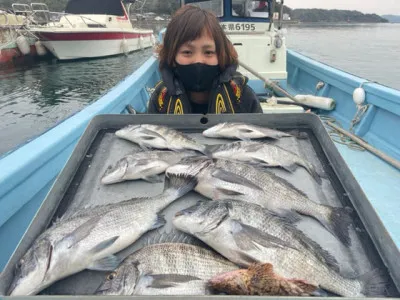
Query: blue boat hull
pixel 29 171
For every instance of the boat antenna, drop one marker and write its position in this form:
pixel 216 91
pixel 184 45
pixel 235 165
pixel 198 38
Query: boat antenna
pixel 281 15
pixel 272 10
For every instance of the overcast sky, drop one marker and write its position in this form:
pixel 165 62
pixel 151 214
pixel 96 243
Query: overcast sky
pixel 366 6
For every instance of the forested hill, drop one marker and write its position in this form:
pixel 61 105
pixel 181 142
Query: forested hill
pixel 334 15
pixel 301 15
pixel 331 15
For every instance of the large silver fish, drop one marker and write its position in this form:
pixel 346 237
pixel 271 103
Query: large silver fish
pixel 242 131
pixel 166 269
pixel 159 137
pixel 143 165
pixel 89 239
pixel 226 179
pixel 262 219
pixel 244 245
pixel 263 154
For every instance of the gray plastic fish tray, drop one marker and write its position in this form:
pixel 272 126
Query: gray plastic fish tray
pixel 78 186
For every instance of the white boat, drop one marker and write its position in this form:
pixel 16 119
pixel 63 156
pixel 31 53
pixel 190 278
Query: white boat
pixel 90 28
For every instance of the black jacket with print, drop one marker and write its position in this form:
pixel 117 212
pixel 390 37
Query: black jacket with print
pixel 230 94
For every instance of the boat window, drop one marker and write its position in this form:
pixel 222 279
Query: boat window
pixel 250 8
pixel 95 7
pixel 214 5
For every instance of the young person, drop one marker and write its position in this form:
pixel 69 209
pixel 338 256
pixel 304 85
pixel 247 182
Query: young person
pixel 198 68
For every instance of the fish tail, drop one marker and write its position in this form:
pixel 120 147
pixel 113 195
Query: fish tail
pixel 208 150
pixel 338 222
pixel 180 184
pixel 374 283
pixel 297 134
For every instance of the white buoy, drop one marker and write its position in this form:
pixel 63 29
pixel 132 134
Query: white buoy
pixel 40 49
pixel 316 101
pixel 141 40
pixel 23 45
pixel 124 46
pixel 359 96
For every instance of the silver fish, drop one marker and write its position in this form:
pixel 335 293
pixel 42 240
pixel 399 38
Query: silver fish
pixel 143 165
pixel 89 239
pixel 262 219
pixel 226 179
pixel 244 245
pixel 242 131
pixel 166 269
pixel 263 154
pixel 159 137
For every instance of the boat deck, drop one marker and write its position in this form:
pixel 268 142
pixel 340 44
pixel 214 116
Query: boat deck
pixel 380 183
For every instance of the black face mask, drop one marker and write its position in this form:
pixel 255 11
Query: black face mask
pixel 197 77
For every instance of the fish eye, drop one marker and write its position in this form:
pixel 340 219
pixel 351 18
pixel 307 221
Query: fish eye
pixel 111 276
pixel 20 263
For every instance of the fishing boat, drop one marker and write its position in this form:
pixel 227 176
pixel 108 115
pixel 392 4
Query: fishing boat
pixel 366 109
pixel 15 41
pixel 89 29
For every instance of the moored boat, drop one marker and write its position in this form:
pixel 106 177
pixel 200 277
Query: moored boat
pixel 89 29
pixel 29 171
pixel 15 42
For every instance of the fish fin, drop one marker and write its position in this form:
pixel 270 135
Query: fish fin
pixel 153 134
pixel 311 170
pixel 338 223
pixel 234 178
pixel 108 263
pixel 222 194
pixel 323 255
pixel 104 244
pixel 288 215
pixel 81 232
pixel 246 260
pixel 162 281
pixel 260 163
pixel 153 178
pixel 290 168
pixel 286 183
pixel 212 148
pixel 319 293
pixel 242 134
pixel 374 283
pixel 174 236
pixel 205 150
pixel 255 146
pixel 246 237
pixel 144 148
pixel 160 221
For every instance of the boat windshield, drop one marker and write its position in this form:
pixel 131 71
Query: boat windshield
pixel 214 5
pixel 236 8
pixel 95 7
pixel 248 8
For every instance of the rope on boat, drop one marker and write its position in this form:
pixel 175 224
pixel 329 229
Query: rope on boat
pixel 394 162
pixel 361 110
pixel 338 136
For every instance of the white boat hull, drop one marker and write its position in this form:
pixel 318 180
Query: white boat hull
pixel 64 47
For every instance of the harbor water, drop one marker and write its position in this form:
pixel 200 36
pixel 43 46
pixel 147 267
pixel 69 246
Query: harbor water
pixel 38 95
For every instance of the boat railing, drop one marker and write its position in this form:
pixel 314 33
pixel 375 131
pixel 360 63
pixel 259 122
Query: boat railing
pixel 5 15
pixel 21 9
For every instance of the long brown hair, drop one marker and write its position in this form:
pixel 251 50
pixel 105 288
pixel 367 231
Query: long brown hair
pixel 188 23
